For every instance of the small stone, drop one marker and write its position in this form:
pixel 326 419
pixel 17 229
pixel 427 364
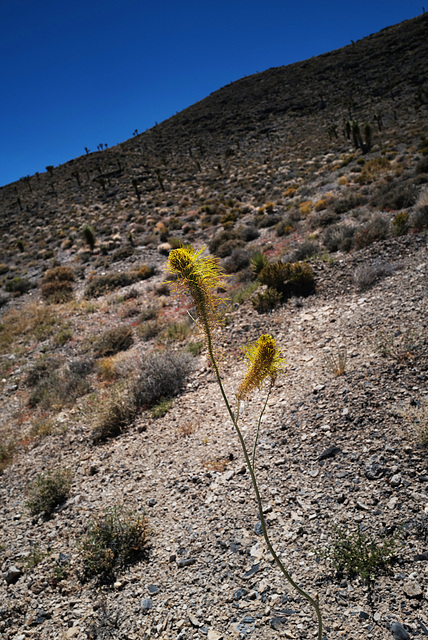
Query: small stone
pixel 152 589
pixel 151 502
pixel 374 471
pixel 13 575
pixel 187 562
pixel 361 506
pixel 249 574
pixel 395 480
pixel 240 593
pixel 72 632
pixel 363 615
pixel 399 632
pixel 147 604
pixel 214 635
pixel 276 623
pixel 258 529
pixel 330 453
pixel 412 589
pixel 194 621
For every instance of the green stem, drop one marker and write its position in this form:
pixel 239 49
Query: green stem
pixel 272 551
pixel 258 425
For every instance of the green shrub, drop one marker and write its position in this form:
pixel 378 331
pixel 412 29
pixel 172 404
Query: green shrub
pixel 376 229
pixel 49 490
pixel 195 348
pixel 223 243
pixel 122 253
pixel 360 554
pixel 58 389
pixel 114 340
pixel 351 201
pixel 161 408
pixel 18 285
pixel 267 300
pixel 237 261
pixel 257 262
pixel 288 278
pixel 163 374
pixel 88 236
pixel 400 223
pixel 112 541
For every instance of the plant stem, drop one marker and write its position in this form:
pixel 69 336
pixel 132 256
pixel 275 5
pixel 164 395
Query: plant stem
pixel 258 425
pixel 250 466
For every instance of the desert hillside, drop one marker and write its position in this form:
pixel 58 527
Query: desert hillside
pixel 126 509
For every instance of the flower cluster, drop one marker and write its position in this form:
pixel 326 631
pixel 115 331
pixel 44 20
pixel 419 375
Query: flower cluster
pixel 265 362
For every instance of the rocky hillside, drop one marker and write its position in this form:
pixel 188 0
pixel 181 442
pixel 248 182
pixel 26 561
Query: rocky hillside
pixel 126 510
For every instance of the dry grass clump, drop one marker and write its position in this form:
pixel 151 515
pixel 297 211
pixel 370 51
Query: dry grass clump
pixel 32 322
pixel 49 490
pixel 57 388
pixel 416 416
pixel 57 284
pixel 113 340
pixel 113 540
pixel 114 413
pixel 100 285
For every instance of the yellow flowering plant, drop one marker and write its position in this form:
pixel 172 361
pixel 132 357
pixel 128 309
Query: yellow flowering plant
pixel 202 277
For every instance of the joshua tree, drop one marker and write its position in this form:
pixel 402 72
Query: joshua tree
pixel 89 236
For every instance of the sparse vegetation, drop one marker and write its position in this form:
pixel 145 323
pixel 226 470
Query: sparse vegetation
pixel 358 553
pixel 48 491
pixel 113 413
pixel 113 340
pixel 111 541
pixel 163 374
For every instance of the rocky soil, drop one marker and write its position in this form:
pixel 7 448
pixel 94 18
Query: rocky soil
pixel 334 449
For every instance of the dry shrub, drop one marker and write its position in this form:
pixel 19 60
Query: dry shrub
pixel 114 340
pixel 57 284
pixel 377 228
pixel 163 374
pixel 112 541
pixel 100 285
pixel 114 414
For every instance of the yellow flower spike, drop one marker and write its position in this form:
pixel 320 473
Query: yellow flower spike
pixel 202 276
pixel 265 362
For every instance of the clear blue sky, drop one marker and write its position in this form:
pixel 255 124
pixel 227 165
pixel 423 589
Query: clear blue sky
pixel 80 73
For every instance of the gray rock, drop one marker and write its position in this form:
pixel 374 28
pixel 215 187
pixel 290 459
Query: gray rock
pixel 147 604
pixel 276 623
pixel 13 574
pixel 374 470
pixel 258 529
pixel 399 632
pixel 240 593
pixel 412 589
pixel 152 589
pixel 249 574
pixel 395 480
pixel 330 452
pixel 187 562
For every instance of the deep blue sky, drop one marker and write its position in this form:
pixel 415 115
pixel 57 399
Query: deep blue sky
pixel 75 74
